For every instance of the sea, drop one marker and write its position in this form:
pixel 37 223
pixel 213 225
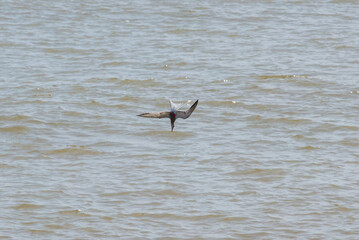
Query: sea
pixel 270 152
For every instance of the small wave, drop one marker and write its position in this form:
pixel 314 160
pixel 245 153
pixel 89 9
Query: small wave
pixel 166 133
pixel 15 117
pixel 298 80
pixel 258 88
pixel 354 142
pixel 234 219
pixel 260 172
pixel 150 215
pixel 37 101
pixel 27 206
pixel 282 76
pixel 76 212
pixel 290 121
pixel 181 78
pixel 14 129
pixel 298 136
pixel 204 217
pixel 244 193
pixel 107 218
pixel 168 192
pixel 117 194
pixel 128 99
pixel 55 226
pixel 119 106
pixel 183 31
pixel 254 118
pixel 11 44
pixel 39 231
pixel 4 165
pixel 68 50
pixel 111 64
pixel 73 113
pixel 143 83
pixel 330 127
pixel 308 147
pixel 226 103
pixel 174 216
pixel 74 150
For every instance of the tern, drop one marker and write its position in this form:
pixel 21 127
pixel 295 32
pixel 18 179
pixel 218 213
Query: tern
pixel 173 114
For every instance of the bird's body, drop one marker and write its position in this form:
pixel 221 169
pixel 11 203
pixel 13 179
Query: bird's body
pixel 173 114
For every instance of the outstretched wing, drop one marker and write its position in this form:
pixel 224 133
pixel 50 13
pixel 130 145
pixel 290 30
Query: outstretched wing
pixel 155 115
pixel 186 114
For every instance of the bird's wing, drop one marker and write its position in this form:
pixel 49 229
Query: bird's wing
pixel 155 115
pixel 175 106
pixel 186 114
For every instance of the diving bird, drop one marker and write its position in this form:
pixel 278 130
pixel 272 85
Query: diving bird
pixel 173 114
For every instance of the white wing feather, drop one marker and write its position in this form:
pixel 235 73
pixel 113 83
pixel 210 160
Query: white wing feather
pixel 175 106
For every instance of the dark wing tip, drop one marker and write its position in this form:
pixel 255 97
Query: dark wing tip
pixel 195 103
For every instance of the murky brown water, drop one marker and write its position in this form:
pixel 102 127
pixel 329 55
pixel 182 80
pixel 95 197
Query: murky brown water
pixel 271 152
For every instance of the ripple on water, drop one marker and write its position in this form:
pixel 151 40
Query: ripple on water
pixel 191 217
pixel 143 83
pixel 330 127
pixel 221 103
pixel 15 117
pixel 27 206
pixel 104 105
pixel 19 129
pixel 287 121
pixel 308 148
pixel 74 150
pixel 114 64
pixel 352 142
pixel 260 172
pixel 75 212
pixel 282 76
pixel 6 166
pixel 40 232
pixel 168 134
pixel 270 152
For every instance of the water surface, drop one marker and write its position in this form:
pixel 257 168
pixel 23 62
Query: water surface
pixel 271 152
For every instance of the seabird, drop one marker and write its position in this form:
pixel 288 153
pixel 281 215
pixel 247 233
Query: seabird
pixel 173 114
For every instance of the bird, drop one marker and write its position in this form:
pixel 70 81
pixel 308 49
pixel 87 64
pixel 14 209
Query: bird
pixel 173 114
